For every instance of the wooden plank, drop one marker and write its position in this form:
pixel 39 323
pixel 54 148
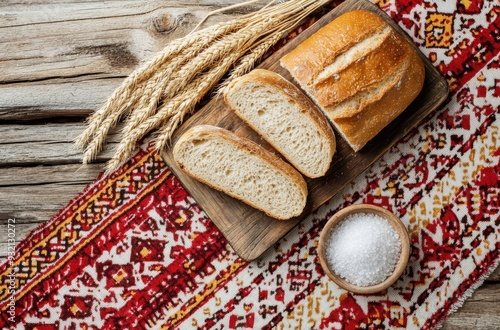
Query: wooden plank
pixel 60 97
pixel 32 195
pixel 18 13
pixel 86 37
pixel 46 174
pixel 38 202
pixel 254 232
pixel 51 143
pixel 480 311
pixel 64 59
pixel 495 276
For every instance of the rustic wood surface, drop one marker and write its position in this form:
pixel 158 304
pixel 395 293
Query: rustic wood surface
pixel 59 61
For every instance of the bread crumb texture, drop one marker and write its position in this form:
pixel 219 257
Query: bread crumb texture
pixel 221 161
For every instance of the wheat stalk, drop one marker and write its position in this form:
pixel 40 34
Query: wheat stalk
pixel 165 90
pixel 171 113
pixel 223 47
pixel 249 61
pixel 132 88
pixel 155 88
pixel 208 82
pixel 137 89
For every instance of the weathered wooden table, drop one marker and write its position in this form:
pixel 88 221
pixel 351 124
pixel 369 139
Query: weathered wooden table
pixel 59 61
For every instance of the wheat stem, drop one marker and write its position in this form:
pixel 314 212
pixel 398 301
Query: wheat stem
pixel 248 62
pixel 149 92
pixel 176 108
pixel 210 80
pixel 126 96
pixel 166 89
pixel 213 12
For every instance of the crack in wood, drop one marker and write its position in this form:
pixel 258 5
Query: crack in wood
pixel 65 78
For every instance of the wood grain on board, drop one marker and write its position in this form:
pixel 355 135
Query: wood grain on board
pixel 251 232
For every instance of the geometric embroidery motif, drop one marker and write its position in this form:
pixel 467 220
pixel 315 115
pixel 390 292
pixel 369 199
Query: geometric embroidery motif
pixel 116 275
pixel 147 249
pixel 76 307
pixel 469 7
pixel 438 30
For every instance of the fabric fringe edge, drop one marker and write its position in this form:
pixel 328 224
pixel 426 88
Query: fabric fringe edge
pixel 468 293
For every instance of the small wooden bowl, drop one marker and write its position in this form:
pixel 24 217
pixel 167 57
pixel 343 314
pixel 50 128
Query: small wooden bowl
pixel 383 213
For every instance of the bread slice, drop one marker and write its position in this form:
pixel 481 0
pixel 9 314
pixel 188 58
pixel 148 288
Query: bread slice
pixel 285 118
pixel 241 169
pixel 360 71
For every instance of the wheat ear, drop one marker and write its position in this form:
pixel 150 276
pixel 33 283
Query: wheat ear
pixel 104 119
pixel 224 47
pixel 248 62
pixel 175 108
pixel 155 89
pixel 210 81
pixel 125 96
pixel 151 86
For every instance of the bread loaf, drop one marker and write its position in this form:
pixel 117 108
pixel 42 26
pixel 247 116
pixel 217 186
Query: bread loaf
pixel 360 71
pixel 241 169
pixel 284 117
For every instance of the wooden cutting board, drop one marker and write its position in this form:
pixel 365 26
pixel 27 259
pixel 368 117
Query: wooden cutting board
pixel 251 232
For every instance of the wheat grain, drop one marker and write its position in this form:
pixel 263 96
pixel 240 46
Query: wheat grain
pixel 248 62
pixel 166 89
pixel 235 42
pixel 147 95
pixel 173 111
pixel 225 46
pixel 155 89
pixel 126 96
pixel 210 81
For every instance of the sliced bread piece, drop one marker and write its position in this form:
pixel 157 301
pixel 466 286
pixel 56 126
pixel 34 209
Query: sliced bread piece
pixel 285 118
pixel 241 169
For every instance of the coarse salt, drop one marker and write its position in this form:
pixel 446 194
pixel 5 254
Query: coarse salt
pixel 363 249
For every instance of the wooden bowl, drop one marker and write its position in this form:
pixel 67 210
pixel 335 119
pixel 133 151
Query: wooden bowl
pixel 368 209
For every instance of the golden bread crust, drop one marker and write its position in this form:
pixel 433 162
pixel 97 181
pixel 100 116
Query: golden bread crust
pixel 365 93
pixel 307 60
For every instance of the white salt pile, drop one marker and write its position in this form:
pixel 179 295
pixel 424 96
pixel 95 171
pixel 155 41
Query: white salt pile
pixel 363 249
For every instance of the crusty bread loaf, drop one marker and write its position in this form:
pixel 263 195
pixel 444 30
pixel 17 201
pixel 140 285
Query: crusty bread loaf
pixel 242 169
pixel 360 71
pixel 284 117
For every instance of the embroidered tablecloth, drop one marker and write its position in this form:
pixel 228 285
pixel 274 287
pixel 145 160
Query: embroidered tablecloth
pixel 134 250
